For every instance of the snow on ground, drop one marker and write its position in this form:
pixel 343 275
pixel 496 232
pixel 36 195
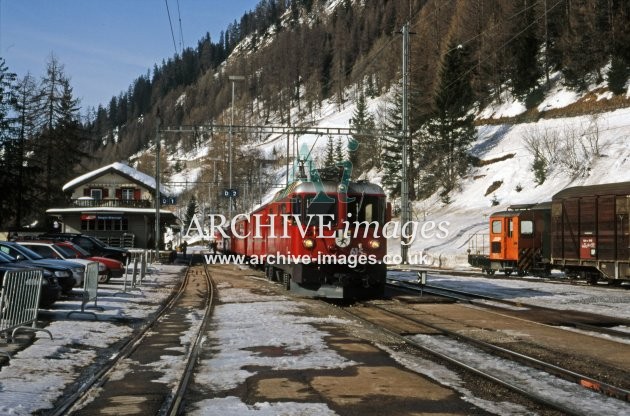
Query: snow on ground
pixel 580 400
pixel 38 375
pixel 590 299
pixel 273 321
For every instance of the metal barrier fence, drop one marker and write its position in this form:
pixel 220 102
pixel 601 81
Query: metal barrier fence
pixel 90 289
pixel 19 302
pixel 137 258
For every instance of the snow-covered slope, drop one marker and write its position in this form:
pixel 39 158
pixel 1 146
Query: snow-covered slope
pixel 506 165
pixel 468 212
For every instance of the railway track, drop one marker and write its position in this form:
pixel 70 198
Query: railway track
pixel 617 285
pixel 593 323
pixel 515 382
pixel 128 383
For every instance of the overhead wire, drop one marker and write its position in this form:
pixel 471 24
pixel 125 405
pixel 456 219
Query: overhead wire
pixel 502 46
pixel 414 18
pixel 181 31
pixel 497 24
pixel 170 22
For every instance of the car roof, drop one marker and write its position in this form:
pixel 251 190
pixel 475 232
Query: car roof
pixel 38 242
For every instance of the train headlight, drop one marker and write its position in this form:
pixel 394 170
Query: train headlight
pixel 308 243
pixel 374 244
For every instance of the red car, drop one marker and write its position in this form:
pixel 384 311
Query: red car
pixel 115 268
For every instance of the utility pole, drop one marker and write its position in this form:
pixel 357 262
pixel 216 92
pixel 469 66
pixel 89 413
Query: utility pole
pixel 404 186
pixel 546 49
pixel 232 78
pixel 157 187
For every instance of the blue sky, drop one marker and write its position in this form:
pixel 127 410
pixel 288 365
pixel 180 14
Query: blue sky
pixel 105 44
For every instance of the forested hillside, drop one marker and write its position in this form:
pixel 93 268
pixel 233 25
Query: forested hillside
pixel 295 55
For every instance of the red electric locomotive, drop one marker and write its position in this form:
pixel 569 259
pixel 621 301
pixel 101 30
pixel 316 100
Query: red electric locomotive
pixel 321 239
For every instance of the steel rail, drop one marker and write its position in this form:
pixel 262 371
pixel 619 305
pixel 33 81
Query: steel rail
pixel 471 297
pixel 568 375
pixel 175 406
pixel 513 277
pixel 99 377
pixel 466 367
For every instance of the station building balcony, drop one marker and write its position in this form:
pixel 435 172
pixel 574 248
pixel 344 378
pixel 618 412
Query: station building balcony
pixel 87 202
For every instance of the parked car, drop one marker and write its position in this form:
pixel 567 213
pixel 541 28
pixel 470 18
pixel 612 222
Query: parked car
pixel 92 245
pixel 68 274
pixel 50 291
pixel 114 268
pixel 57 250
pixel 49 250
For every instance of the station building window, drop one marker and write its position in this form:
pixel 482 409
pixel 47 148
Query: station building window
pixel 95 223
pixel 127 193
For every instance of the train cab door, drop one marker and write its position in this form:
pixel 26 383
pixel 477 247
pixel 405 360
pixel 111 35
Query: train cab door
pixel 511 238
pixel 497 243
pixel 503 238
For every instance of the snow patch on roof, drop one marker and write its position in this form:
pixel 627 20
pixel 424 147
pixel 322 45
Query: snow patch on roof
pixel 148 181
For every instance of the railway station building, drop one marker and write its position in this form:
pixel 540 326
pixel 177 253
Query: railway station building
pixel 115 203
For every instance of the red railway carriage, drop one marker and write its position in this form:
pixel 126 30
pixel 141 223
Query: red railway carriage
pixel 590 231
pixel 518 241
pixel 318 240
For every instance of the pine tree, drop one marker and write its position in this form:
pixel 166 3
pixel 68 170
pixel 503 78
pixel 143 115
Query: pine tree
pixel 450 131
pixel 27 109
pixel 329 159
pixel 391 154
pixel 7 135
pixel 366 156
pixel 192 209
pixel 61 140
pixel 339 153
pixel 525 68
pixel 618 76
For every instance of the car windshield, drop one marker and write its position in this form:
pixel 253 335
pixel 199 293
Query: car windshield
pixel 98 242
pixel 15 249
pixel 66 252
pixel 5 258
pixel 83 252
pixel 27 252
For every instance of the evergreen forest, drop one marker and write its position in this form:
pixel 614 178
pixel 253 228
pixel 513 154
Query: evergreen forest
pixel 295 55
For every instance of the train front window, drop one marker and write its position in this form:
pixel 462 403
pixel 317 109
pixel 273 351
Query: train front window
pixel 366 208
pixel 496 227
pixel 322 213
pixel 296 206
